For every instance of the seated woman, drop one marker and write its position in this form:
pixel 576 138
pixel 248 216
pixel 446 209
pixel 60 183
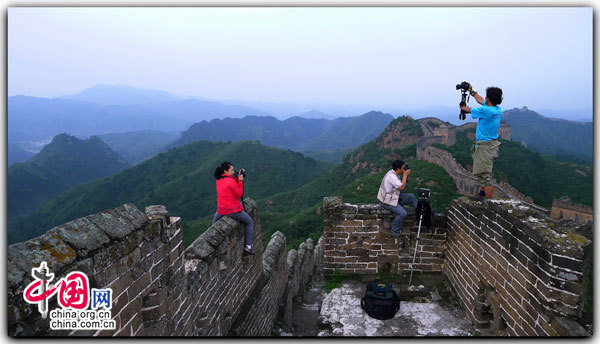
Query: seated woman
pixel 229 190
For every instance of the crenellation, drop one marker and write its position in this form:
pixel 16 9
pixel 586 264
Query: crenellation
pixel 520 264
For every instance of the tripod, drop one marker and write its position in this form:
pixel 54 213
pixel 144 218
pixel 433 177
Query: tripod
pixel 464 101
pixel 424 213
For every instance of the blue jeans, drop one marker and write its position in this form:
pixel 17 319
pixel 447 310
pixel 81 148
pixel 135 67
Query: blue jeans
pixel 400 211
pixel 244 218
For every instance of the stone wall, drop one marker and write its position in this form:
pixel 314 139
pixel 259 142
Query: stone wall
pixel 160 289
pixel 514 269
pixel 563 208
pixel 136 255
pixel 357 240
pixel 504 131
pixel 262 306
pixel 219 278
pixel 466 183
pixel 300 266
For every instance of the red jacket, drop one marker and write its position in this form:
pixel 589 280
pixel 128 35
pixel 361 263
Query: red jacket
pixel 229 190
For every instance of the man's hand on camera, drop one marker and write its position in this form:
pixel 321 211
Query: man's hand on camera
pixel 470 87
pixel 407 172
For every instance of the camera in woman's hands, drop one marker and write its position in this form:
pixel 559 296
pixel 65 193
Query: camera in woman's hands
pixel 242 172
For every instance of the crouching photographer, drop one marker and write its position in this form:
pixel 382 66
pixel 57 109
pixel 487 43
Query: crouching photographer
pixel 486 146
pixel 390 197
pixel 230 187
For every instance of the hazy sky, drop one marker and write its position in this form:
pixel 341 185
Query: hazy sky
pixel 386 57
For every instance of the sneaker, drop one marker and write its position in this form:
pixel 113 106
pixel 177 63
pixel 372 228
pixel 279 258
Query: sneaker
pixel 248 251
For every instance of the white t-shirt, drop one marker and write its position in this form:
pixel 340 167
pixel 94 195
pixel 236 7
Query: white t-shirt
pixel 391 182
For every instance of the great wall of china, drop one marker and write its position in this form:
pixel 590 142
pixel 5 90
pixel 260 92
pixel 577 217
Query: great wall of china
pixel 517 272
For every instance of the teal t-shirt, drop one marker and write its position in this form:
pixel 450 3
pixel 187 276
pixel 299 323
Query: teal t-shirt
pixel 489 122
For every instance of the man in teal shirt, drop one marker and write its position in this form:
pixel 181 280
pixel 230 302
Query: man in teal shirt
pixel 485 149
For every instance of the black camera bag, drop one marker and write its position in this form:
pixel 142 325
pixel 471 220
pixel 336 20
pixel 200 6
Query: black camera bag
pixel 380 301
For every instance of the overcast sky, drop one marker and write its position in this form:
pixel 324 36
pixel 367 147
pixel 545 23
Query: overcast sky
pixel 386 57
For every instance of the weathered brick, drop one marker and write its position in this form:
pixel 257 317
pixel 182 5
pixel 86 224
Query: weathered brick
pixel 121 284
pixel 176 240
pixel 161 266
pixel 547 328
pixel 160 253
pixel 173 256
pixel 352 223
pixel 529 329
pixel 568 263
pixel 139 285
pixel 527 252
pixel 130 310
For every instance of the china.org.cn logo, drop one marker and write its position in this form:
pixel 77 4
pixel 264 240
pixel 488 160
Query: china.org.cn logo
pixel 73 294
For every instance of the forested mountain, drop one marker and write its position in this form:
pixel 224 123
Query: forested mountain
pixel 357 179
pixel 552 136
pixel 290 188
pixel 62 164
pixel 137 146
pixel 182 179
pixel 16 154
pixel 311 136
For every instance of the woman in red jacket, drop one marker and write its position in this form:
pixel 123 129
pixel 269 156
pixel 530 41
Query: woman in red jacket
pixel 229 191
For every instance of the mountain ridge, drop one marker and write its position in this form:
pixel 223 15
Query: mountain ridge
pixel 296 133
pixel 181 177
pixel 62 164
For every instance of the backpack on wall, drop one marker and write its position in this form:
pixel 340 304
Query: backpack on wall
pixel 380 301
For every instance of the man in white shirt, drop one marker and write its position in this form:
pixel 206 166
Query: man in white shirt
pixel 390 197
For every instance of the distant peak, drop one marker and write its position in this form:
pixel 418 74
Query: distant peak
pixel 63 138
pixel 120 94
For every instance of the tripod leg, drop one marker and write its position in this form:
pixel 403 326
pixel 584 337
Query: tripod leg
pixel 412 266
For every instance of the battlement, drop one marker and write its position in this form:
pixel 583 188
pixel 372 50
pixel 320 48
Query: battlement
pixel 159 288
pixel 563 208
pixel 517 272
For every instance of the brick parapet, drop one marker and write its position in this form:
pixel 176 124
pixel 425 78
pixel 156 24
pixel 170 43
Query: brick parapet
pixel 357 240
pixel 567 204
pixel 158 287
pixel 300 266
pixel 258 313
pixel 513 268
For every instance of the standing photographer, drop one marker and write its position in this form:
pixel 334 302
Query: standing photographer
pixel 485 148
pixel 390 197
pixel 230 188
